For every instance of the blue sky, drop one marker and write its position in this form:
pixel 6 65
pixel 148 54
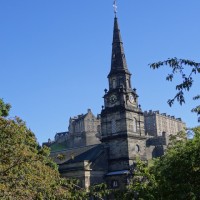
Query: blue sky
pixel 55 56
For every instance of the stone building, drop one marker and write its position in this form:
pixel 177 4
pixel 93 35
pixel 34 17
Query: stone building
pixel 83 130
pixel 88 164
pixel 157 123
pixel 61 137
pixel 120 128
pixel 159 127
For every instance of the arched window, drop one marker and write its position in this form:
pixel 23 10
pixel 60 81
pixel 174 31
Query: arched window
pixel 137 148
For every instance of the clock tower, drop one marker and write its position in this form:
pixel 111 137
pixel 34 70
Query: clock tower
pixel 122 120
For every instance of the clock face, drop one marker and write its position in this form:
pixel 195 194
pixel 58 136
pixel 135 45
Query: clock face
pixel 113 98
pixel 131 98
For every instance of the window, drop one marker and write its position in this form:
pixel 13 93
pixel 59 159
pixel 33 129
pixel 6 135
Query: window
pixel 128 83
pixel 137 148
pixel 113 126
pixel 121 81
pixel 114 83
pixel 134 125
pixel 115 184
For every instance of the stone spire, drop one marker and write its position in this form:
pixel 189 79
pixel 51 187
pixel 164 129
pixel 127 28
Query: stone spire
pixel 118 60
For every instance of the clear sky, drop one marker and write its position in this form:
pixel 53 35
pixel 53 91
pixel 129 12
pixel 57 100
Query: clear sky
pixel 55 56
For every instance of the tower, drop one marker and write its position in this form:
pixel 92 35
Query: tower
pixel 122 120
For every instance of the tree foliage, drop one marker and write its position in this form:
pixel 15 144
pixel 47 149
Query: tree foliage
pixel 142 184
pixel 4 108
pixel 26 170
pixel 178 171
pixel 175 175
pixel 186 69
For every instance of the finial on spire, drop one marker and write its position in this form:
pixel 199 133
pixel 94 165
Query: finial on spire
pixel 115 7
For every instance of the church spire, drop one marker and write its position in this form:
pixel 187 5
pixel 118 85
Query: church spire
pixel 122 121
pixel 118 60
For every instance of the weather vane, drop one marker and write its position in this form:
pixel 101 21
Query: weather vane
pixel 115 7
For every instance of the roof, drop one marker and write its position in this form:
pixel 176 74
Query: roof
pixel 121 172
pixel 87 153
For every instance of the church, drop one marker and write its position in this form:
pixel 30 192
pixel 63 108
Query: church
pixel 104 148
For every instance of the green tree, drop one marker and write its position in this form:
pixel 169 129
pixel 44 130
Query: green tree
pixel 142 183
pixel 186 69
pixel 177 173
pixel 26 170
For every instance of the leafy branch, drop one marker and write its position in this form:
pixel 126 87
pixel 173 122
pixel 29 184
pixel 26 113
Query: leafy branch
pixel 178 66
